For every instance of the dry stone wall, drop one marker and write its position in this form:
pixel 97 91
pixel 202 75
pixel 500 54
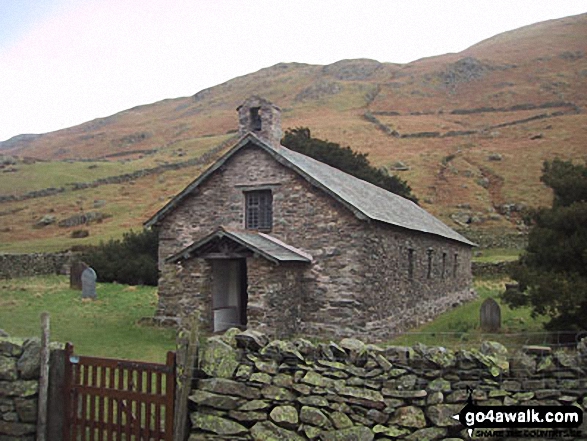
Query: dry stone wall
pixel 34 264
pixel 250 388
pixel 19 384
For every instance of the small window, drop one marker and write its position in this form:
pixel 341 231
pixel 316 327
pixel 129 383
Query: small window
pixel 430 263
pixel 256 119
pixel 443 265
pixel 258 210
pixel 410 264
pixel 455 267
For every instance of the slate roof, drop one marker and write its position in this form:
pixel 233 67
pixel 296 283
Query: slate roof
pixel 367 201
pixel 267 246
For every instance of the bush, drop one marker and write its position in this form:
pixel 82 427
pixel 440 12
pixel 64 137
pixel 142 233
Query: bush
pixel 132 260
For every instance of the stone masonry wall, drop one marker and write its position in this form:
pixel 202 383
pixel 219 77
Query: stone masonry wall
pixel 249 388
pixel 35 264
pixel 359 280
pixel 19 383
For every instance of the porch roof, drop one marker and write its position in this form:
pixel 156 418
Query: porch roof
pixel 263 244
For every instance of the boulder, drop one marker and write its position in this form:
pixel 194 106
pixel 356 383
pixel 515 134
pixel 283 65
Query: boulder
pixel 218 359
pixel 285 416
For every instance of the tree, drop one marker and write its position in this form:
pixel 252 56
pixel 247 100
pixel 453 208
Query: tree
pixel 132 260
pixel 552 273
pixel 345 159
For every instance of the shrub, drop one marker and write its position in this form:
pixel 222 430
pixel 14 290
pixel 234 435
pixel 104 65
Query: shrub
pixel 132 260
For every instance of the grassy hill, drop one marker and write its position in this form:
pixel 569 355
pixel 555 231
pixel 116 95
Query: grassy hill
pixel 468 131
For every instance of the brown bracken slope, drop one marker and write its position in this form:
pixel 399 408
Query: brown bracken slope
pixel 468 131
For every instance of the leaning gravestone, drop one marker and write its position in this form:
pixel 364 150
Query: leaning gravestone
pixel 75 274
pixel 89 284
pixel 490 315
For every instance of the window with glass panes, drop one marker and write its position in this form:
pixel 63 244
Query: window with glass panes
pixel 258 210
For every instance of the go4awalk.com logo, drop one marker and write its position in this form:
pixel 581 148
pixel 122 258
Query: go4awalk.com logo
pixel 520 421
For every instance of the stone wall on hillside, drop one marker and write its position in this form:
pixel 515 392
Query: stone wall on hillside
pixel 250 388
pixel 34 264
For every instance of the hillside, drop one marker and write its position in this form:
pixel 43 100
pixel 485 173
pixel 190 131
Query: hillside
pixel 468 131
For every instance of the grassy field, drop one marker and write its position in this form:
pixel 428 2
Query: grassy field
pixel 105 327
pixel 108 326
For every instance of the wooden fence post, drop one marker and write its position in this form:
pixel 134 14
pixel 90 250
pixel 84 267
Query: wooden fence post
pixel 43 379
pixel 187 351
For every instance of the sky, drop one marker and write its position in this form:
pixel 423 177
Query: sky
pixel 65 62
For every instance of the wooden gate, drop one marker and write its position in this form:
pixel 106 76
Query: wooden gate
pixel 118 400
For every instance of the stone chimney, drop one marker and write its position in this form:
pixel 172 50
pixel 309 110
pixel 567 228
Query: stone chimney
pixel 261 117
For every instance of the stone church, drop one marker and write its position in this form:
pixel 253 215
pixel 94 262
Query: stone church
pixel 273 240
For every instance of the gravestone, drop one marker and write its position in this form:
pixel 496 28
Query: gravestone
pixel 89 284
pixel 75 274
pixel 490 315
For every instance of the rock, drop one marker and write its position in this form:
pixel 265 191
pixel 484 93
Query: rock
pixel 219 359
pixel 11 346
pixel 427 434
pixel 3 333
pixel 247 417
pixel 314 379
pixel 442 414
pixel 26 409
pixel 252 340
pixel 15 430
pixel 47 219
pixel 204 398
pixel 409 416
pixel 352 345
pixel 266 367
pixel 368 395
pixel 267 431
pixel 19 388
pixel 435 398
pixel 280 350
pixel 523 365
pixel 216 424
pixel 8 368
pixel 228 387
pixel 285 416
pixel 260 377
pixel 275 393
pixel 493 348
pixel 313 400
pixel 358 433
pixel 29 363
pixel 254 405
pixel 314 416
pixel 340 420
pixel 439 385
pixel 392 431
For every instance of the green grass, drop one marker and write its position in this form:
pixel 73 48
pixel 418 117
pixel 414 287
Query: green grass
pixel 106 327
pixel 493 255
pixel 459 327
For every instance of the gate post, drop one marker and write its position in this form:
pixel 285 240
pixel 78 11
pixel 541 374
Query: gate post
pixel 67 385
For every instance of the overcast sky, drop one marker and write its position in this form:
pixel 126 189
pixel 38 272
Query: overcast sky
pixel 64 62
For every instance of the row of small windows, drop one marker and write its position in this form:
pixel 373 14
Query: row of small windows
pixel 259 216
pixel 430 264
